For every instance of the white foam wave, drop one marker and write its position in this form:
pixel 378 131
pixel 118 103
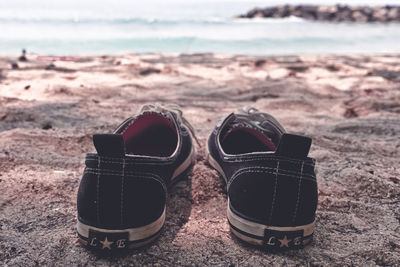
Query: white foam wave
pixel 291 19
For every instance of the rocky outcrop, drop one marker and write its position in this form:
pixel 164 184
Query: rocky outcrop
pixel 336 13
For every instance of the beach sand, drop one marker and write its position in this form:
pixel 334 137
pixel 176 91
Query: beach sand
pixel 349 105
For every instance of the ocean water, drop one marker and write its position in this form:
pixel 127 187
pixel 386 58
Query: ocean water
pixel 60 27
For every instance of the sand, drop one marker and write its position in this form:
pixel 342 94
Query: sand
pixel 349 105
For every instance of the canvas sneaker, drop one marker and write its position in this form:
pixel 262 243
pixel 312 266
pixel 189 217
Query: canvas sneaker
pixel 271 183
pixel 122 194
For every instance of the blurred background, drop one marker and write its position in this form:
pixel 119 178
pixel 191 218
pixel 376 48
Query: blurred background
pixel 77 27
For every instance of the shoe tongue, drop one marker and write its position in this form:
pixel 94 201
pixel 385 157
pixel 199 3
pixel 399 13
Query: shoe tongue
pixel 110 145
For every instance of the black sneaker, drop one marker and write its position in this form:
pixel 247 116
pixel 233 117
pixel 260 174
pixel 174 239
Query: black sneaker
pixel 271 184
pixel 122 194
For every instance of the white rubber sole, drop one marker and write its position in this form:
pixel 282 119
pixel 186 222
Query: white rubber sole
pixel 136 237
pixel 191 159
pixel 269 236
pixel 264 235
pixel 215 165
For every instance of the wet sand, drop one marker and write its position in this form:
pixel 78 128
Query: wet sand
pixel 349 105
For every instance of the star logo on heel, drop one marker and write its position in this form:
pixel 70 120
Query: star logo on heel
pixel 281 240
pixel 106 243
pixel 284 242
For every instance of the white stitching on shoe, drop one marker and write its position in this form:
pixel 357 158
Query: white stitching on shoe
pixel 256 158
pixel 298 194
pixel 265 170
pixel 133 163
pixel 274 195
pixel 122 192
pixel 142 175
pixel 93 157
pixel 97 192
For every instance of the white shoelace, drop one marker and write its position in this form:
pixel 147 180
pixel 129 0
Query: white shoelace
pixel 260 120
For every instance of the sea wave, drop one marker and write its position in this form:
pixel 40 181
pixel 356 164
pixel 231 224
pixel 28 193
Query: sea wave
pixel 263 46
pixel 143 20
pixel 115 20
pixel 291 19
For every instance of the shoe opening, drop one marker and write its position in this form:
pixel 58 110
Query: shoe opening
pixel 240 140
pixel 151 135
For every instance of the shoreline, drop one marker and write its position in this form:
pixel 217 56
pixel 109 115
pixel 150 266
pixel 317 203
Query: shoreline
pixel 36 58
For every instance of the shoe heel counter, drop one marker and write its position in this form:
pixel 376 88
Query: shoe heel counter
pixel 307 197
pixel 143 201
pixel 274 196
pixel 296 197
pixel 86 199
pixel 99 198
pixel 297 183
pixel 101 185
pixel 115 200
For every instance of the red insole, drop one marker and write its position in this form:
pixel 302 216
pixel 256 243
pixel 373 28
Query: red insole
pixel 150 135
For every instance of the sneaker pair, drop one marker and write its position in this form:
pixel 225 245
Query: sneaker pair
pixel 271 184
